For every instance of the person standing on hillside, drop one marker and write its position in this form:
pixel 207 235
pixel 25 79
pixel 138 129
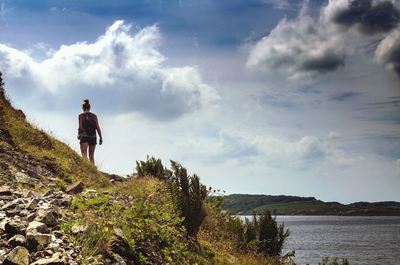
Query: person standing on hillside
pixel 88 125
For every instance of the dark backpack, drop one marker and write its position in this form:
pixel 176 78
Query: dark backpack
pixel 89 124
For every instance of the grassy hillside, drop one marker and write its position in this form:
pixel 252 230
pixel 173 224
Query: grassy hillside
pixel 36 156
pixel 292 205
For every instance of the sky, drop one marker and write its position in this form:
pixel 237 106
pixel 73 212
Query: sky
pixel 254 96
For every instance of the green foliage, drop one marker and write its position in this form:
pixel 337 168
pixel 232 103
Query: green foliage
pixel 334 261
pixel 152 167
pixel 61 184
pixel 154 234
pixel 188 195
pixel 248 203
pixel 272 235
pixel 262 234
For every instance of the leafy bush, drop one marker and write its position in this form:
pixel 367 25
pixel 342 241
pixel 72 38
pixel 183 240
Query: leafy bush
pixel 262 234
pixel 152 167
pixel 271 235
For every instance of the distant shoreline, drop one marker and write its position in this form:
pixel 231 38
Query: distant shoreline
pixel 246 204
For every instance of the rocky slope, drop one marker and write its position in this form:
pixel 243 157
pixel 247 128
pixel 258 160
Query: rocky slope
pixel 29 228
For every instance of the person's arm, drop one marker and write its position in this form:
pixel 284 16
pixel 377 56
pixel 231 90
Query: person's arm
pixel 99 131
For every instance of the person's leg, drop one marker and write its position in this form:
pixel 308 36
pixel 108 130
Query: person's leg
pixel 91 152
pixel 84 148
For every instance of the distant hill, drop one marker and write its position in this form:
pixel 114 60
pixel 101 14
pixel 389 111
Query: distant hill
pixel 245 204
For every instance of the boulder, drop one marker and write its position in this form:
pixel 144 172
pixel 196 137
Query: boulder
pixel 17 256
pixel 75 188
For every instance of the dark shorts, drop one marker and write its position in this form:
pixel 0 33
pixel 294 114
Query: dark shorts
pixel 89 140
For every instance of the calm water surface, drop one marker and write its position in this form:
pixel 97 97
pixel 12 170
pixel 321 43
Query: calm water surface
pixel 363 240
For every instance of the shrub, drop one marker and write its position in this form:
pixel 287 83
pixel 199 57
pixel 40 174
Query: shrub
pixel 262 234
pixel 272 235
pixel 188 196
pixel 152 167
pixel 187 193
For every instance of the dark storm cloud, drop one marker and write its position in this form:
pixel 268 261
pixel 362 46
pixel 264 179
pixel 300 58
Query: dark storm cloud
pixel 370 17
pixel 327 63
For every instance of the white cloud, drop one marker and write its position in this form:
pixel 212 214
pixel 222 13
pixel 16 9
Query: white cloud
pixel 307 46
pixel 120 69
pixel 388 51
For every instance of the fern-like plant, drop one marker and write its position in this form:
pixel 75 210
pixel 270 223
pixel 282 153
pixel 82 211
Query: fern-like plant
pixel 188 195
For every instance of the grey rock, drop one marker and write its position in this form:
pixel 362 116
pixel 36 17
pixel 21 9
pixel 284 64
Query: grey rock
pixel 49 217
pixel 118 260
pixel 36 226
pixel 75 188
pixel 5 190
pixel 56 259
pixel 37 241
pixel 24 213
pixel 17 240
pixel 10 205
pixel 31 217
pixel 7 197
pixel 12 212
pixel 15 226
pixel 33 204
pixel 17 256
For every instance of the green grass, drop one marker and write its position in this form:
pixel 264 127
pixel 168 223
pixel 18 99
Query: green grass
pixel 62 160
pixel 152 229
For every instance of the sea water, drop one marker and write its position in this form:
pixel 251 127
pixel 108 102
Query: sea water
pixel 362 240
